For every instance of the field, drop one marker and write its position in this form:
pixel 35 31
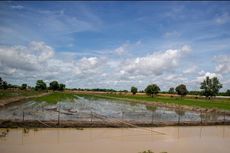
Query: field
pixel 6 94
pixel 216 103
pixel 55 97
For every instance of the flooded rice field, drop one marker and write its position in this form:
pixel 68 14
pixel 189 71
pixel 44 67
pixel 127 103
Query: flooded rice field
pixel 208 139
pixel 91 109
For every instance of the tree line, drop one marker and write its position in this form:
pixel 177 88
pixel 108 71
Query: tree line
pixel 40 85
pixel 54 85
pixel 209 88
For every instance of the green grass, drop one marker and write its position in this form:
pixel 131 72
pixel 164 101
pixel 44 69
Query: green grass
pixel 56 97
pixel 223 104
pixel 4 94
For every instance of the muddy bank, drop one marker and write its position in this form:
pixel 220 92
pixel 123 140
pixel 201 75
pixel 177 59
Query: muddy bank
pixel 98 124
pixel 4 102
pixel 199 139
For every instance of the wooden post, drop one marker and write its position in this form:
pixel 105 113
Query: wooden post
pixel 224 117
pixel 200 117
pixel 122 117
pixel 23 115
pixel 178 119
pixel 152 117
pixel 91 115
pixel 58 116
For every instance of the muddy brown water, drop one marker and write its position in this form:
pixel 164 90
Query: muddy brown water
pixel 208 139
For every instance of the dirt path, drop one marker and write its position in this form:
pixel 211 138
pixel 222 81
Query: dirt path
pixel 4 102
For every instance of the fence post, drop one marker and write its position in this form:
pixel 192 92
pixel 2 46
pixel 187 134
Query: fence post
pixel 23 115
pixel 200 117
pixel 178 119
pixel 152 117
pixel 122 115
pixel 224 117
pixel 58 116
pixel 91 115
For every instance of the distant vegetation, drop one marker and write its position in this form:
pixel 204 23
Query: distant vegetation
pixel 209 88
pixel 54 85
pixel 181 90
pixel 10 91
pixel 96 89
pixel 40 85
pixel 171 90
pixel 152 89
pixel 134 90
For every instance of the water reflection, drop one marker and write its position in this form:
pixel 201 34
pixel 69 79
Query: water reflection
pixel 82 108
pixel 60 135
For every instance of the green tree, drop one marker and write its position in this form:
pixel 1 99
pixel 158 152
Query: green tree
pixel 24 86
pixel 171 90
pixel 227 92
pixel 152 89
pixel 54 85
pixel 134 90
pixel 1 81
pixel 61 86
pixel 4 85
pixel 210 87
pixel 181 90
pixel 40 85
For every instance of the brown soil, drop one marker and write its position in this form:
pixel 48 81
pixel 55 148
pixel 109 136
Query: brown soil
pixel 98 124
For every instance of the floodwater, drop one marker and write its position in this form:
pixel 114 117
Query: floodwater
pixel 199 139
pixel 82 109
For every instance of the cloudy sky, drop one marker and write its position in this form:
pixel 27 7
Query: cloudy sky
pixel 115 44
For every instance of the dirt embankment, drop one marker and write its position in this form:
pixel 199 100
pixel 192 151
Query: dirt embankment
pixel 98 124
pixel 4 102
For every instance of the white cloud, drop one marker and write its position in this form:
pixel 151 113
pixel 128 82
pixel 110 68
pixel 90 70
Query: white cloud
pixel 208 74
pixel 156 63
pixel 223 64
pixel 121 50
pixel 190 70
pixel 38 61
pixel 17 7
pixel 27 58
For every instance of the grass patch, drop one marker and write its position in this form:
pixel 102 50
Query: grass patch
pixel 56 97
pixel 223 104
pixel 4 94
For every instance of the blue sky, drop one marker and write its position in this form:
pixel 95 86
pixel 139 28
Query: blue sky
pixel 115 44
